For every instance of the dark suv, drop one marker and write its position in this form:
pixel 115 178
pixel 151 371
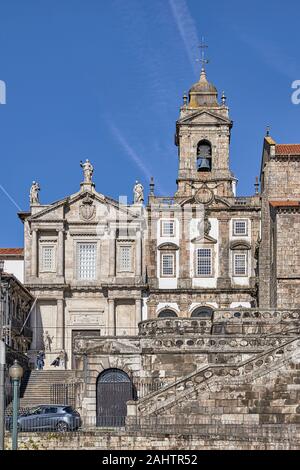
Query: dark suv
pixel 60 418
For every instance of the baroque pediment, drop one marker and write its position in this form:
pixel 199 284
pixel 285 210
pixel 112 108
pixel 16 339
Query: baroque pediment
pixel 104 346
pixel 204 117
pixel 85 206
pixel 205 240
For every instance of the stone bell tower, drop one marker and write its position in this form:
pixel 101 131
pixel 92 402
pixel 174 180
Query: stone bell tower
pixel 203 138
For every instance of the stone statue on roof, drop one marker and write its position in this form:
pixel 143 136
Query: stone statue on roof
pixel 88 171
pixel 138 193
pixel 34 193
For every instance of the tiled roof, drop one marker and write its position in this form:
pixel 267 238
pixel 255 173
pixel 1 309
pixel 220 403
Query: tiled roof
pixel 287 149
pixel 11 251
pixel 285 203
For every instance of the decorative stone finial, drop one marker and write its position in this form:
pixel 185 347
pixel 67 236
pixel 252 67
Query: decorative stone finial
pixel 152 186
pixel 185 99
pixel 223 99
pixel 34 193
pixel 268 131
pixel 256 186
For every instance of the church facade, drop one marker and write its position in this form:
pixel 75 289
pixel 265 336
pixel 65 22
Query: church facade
pixel 177 296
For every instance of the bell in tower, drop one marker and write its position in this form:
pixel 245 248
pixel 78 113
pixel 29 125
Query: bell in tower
pixel 204 156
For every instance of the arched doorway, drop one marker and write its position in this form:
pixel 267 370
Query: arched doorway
pixel 167 314
pixel 114 390
pixel 202 312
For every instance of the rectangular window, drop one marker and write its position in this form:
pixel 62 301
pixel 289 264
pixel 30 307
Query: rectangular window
pixel 47 258
pixel 204 264
pixel 240 227
pixel 240 264
pixel 86 259
pixel 168 265
pixel 125 258
pixel 168 228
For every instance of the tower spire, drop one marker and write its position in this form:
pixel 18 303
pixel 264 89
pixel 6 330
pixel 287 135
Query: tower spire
pixel 202 46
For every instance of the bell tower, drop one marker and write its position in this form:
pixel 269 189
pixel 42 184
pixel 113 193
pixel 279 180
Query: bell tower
pixel 203 138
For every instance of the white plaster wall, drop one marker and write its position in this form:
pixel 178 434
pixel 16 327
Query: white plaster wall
pixel 194 305
pixel 15 267
pixel 171 305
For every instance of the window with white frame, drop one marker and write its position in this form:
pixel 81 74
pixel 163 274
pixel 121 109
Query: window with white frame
pixel 48 258
pixel 240 227
pixel 168 264
pixel 204 262
pixel 125 258
pixel 168 228
pixel 86 261
pixel 240 264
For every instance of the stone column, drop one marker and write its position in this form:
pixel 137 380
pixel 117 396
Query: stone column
pixel 112 253
pixel 34 253
pixel 60 253
pixel 138 254
pixel 138 313
pixel 111 318
pixel 224 280
pixel 60 325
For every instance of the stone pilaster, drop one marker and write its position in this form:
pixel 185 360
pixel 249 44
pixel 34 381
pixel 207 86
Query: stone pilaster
pixel 111 318
pixel 34 253
pixel 224 280
pixel 60 253
pixel 138 312
pixel 112 253
pixel 60 325
pixel 138 254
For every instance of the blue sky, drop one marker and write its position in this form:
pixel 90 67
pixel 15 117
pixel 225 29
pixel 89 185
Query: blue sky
pixel 104 79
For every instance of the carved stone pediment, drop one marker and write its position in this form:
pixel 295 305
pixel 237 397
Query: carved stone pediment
pixel 204 117
pixel 206 240
pixel 168 246
pixel 106 346
pixel 240 245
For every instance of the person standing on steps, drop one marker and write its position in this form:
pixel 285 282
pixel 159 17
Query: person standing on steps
pixel 62 358
pixel 40 360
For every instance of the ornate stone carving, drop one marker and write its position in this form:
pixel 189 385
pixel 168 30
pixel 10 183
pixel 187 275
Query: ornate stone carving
pixel 204 195
pixel 34 193
pixel 87 208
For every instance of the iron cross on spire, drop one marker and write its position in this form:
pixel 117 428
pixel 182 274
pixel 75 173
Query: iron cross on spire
pixel 202 60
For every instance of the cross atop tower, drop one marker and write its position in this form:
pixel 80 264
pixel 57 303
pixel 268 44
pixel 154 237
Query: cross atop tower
pixel 202 60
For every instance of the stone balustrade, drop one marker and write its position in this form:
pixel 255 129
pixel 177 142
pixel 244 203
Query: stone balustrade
pixel 225 321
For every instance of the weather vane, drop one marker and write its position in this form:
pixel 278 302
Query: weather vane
pixel 202 47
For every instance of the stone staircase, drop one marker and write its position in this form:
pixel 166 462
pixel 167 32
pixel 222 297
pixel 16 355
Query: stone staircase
pixel 209 378
pixel 36 385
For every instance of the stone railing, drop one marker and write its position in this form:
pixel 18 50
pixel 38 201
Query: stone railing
pixel 213 344
pixel 179 326
pixel 256 314
pixel 208 377
pixel 226 322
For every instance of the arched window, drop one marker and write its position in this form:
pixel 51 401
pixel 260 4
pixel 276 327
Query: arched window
pixel 204 153
pixel 167 314
pixel 202 312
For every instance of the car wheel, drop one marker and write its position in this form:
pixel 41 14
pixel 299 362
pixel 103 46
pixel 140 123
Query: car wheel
pixel 62 427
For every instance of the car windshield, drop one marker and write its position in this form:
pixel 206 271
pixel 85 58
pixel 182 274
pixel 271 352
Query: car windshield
pixel 35 411
pixel 68 409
